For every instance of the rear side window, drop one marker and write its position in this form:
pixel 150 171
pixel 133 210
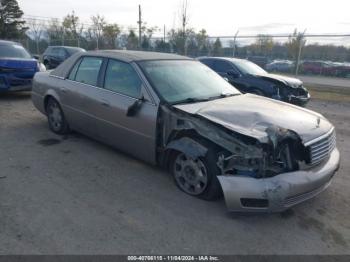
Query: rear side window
pixel 88 70
pixel 74 70
pixel 222 66
pixel 122 78
pixel 62 53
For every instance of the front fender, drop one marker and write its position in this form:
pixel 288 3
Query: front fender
pixel 188 146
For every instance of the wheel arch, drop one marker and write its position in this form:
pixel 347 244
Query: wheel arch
pixel 189 142
pixel 50 94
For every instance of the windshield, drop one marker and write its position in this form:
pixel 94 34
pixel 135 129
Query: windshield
pixel 248 67
pixel 186 81
pixel 13 51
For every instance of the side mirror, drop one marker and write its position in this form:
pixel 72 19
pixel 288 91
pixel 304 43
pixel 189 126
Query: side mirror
pixel 234 74
pixel 135 107
pixel 37 57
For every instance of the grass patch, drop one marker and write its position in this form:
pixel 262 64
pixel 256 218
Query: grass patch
pixel 329 93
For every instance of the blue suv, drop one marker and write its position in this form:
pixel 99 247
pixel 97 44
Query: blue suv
pixel 17 67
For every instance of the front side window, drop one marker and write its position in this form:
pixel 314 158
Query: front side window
pixel 88 70
pixel 179 81
pixel 122 78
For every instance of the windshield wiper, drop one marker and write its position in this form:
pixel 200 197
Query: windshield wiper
pixel 223 95
pixel 190 100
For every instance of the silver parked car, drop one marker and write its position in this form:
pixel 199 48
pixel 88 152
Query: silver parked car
pixel 264 155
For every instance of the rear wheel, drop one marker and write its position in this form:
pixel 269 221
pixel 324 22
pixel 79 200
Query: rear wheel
pixel 197 177
pixel 55 117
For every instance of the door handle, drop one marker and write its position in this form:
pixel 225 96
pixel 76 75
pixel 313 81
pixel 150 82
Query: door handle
pixel 105 102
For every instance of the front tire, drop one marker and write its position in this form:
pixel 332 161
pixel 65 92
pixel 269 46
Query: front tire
pixel 197 177
pixel 57 121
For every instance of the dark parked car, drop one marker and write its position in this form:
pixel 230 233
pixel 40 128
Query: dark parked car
pixel 55 55
pixel 17 67
pixel 170 110
pixel 250 78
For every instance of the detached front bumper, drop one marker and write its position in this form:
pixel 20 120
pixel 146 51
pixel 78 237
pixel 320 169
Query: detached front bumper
pixel 280 192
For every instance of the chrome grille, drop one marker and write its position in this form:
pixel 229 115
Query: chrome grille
pixel 322 147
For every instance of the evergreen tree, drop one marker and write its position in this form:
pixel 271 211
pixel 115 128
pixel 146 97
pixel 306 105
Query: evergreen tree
pixel 11 22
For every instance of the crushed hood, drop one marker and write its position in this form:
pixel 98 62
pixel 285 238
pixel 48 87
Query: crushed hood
pixel 251 115
pixel 292 82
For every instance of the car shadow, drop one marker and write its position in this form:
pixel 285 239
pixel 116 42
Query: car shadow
pixel 15 96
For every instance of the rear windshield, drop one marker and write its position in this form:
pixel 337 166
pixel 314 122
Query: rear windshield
pixel 13 51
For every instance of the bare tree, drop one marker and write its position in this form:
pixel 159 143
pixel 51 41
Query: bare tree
pixel 263 44
pixel 99 23
pixel 54 30
pixel 72 26
pixel 36 28
pixel 110 33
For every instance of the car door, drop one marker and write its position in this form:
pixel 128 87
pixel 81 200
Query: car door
pixel 79 92
pixel 122 87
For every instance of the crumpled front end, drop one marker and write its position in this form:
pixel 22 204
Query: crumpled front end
pixel 280 192
pixel 293 172
pixel 270 170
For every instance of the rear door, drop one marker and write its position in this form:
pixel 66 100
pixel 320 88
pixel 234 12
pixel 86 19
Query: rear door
pixel 122 86
pixel 79 94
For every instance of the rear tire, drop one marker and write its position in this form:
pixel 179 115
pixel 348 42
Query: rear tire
pixel 57 122
pixel 197 177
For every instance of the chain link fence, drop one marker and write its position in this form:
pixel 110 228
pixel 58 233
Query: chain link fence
pixel 324 55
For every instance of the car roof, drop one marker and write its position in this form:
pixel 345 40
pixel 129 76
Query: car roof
pixel 122 55
pixel 230 59
pixel 130 56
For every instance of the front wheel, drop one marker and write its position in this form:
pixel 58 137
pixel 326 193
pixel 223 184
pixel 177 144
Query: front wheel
pixel 55 117
pixel 197 177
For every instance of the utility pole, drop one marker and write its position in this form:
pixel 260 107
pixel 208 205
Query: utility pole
pixel 184 21
pixel 234 44
pixel 140 25
pixel 301 43
pixel 164 34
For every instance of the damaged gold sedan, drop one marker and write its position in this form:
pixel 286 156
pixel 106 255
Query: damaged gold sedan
pixel 262 154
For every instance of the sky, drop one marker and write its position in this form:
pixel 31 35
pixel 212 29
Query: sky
pixel 219 17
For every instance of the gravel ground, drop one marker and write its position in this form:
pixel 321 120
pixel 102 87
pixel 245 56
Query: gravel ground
pixel 72 195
